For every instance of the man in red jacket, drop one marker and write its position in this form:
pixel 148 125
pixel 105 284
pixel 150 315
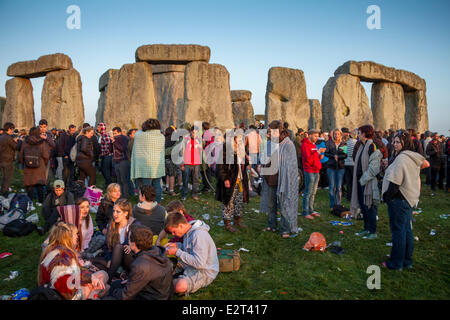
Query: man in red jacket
pixel 311 168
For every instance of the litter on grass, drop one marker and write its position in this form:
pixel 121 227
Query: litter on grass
pixel 389 244
pixel 342 223
pixel 205 216
pixel 432 232
pixel 5 254
pixel 229 244
pixel 34 218
pixel 444 216
pixel 243 249
pixel 12 275
pixel 416 238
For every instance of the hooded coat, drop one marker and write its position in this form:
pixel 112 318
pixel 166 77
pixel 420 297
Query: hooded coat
pixel 150 277
pixel 35 176
pixel 198 250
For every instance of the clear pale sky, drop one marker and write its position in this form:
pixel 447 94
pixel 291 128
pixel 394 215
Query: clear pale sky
pixel 248 37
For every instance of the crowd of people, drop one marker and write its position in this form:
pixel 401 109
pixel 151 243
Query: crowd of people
pixel 149 251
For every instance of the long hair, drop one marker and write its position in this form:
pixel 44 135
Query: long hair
pixel 61 235
pixel 111 187
pixel 80 201
pixel 332 135
pixel 113 232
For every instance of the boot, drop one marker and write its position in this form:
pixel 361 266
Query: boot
pixel 238 223
pixel 228 226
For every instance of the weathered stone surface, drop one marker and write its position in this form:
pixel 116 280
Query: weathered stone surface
pixel 169 95
pixel 163 68
pixel 240 95
pixel 129 97
pixel 374 72
pixel 101 107
pixel 207 95
pixel 41 66
pixel 345 103
pixel 416 110
pixel 260 117
pixel 2 106
pixel 172 53
pixel 19 107
pixel 104 78
pixel 286 98
pixel 62 99
pixel 388 106
pixel 315 120
pixel 243 113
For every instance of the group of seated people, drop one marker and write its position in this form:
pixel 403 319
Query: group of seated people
pixel 130 257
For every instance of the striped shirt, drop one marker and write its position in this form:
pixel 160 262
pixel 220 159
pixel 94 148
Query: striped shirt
pixel 350 146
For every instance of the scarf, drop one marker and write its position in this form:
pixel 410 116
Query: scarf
pixel 363 153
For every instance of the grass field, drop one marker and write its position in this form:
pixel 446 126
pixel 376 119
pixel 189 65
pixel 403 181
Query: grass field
pixel 278 269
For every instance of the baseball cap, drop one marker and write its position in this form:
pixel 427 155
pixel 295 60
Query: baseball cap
pixel 58 184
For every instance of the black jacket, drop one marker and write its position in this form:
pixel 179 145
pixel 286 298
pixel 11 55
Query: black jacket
pixel 150 277
pixel 120 146
pixel 153 219
pixel 331 152
pixel 104 213
pixel 66 142
pixel 434 152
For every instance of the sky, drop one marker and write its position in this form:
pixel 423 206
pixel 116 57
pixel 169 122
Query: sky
pixel 248 37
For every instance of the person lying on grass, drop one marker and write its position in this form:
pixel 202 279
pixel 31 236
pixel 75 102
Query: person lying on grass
pixel 150 275
pixel 60 267
pixel 197 253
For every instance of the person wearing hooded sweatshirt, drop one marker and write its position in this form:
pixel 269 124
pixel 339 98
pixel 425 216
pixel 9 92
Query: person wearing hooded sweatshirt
pixel 106 152
pixel 150 275
pixel 35 174
pixel 401 191
pixel 197 254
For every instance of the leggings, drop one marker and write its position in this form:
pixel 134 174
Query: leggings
pixel 87 169
pixel 119 258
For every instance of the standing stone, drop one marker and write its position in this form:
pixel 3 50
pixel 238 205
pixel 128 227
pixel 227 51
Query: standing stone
pixel 207 95
pixel 388 106
pixel 315 120
pixel 345 103
pixel 2 107
pixel 168 81
pixel 103 87
pixel 19 107
pixel 172 53
pixel 416 110
pixel 242 107
pixel 286 98
pixel 62 99
pixel 130 97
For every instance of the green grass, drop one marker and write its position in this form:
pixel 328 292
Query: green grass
pixel 278 269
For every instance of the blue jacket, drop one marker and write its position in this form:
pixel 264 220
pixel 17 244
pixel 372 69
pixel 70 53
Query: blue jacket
pixel 321 144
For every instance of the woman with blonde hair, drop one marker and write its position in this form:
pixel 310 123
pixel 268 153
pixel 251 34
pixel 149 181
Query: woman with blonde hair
pixel 60 267
pixel 336 153
pixel 105 209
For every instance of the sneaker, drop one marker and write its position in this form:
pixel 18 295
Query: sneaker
pixel 361 233
pixel 370 236
pixel 310 217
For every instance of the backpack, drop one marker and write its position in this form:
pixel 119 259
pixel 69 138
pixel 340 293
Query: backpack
pixel 9 216
pixel 316 242
pixel 31 156
pixel 77 188
pixel 340 211
pixel 73 150
pixel 21 201
pixel 18 228
pixel 229 260
pixel 44 293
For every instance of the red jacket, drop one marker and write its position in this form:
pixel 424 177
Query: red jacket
pixel 310 157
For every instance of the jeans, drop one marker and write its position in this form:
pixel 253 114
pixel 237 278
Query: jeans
pixel 106 168
pixel 156 183
pixel 123 176
pixel 131 185
pixel 400 214
pixel 195 171
pixel 40 192
pixel 336 178
pixel 448 173
pixel 273 205
pixel 369 214
pixel 311 183
pixel 60 168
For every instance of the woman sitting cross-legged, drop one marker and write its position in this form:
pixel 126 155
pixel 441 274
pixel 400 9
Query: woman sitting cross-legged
pixel 61 268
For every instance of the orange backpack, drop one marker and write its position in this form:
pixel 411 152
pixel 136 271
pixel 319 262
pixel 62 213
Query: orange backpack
pixel 316 242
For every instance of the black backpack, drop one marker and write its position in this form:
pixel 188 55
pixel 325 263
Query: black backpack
pixel 44 293
pixel 18 228
pixel 77 188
